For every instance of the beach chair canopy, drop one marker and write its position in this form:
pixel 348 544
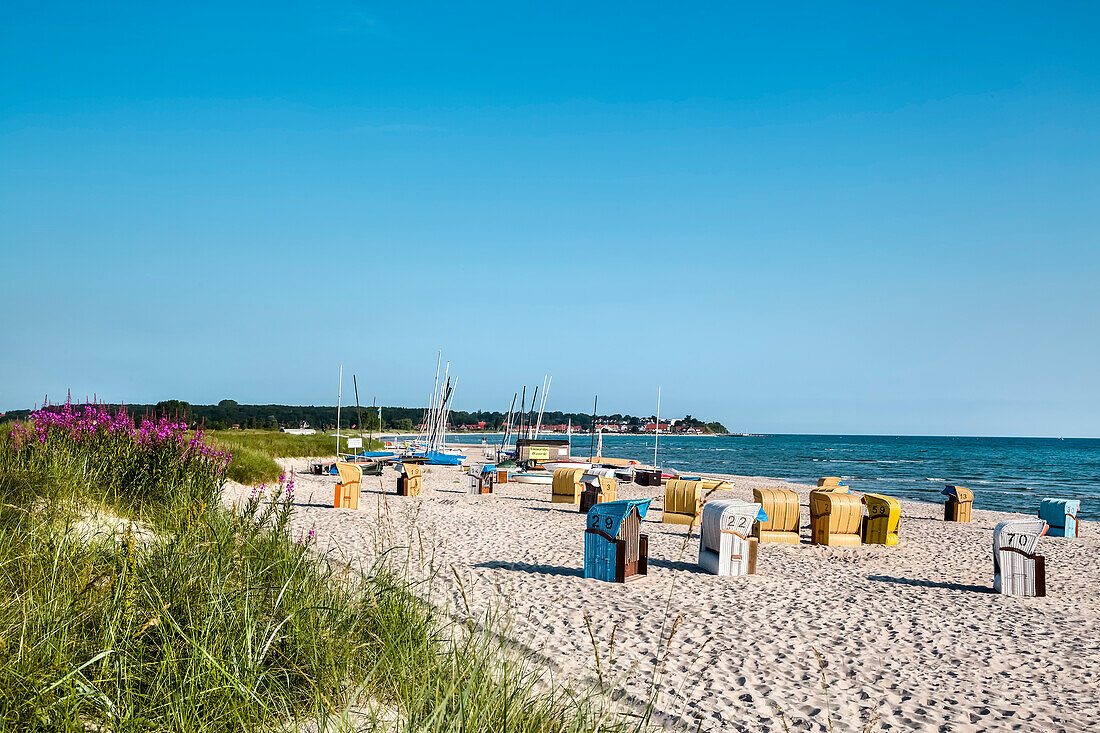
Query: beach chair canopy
pixel 1019 534
pixel 349 473
pixel 612 513
pixel 1055 511
pixel 958 493
pixel 728 515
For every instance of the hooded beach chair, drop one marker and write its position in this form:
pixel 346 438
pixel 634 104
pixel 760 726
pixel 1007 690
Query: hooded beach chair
pixel 1061 515
pixel 835 518
pixel 408 479
pixel 567 486
pixel 781 508
pixel 880 527
pixel 832 483
pixel 958 505
pixel 597 490
pixel 683 502
pixel 480 479
pixel 615 550
pixel 726 544
pixel 1017 570
pixel 347 488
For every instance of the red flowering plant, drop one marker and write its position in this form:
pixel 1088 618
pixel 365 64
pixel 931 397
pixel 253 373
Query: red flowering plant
pixel 151 463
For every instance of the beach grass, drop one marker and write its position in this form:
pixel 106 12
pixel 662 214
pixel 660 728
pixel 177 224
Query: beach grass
pixel 254 451
pixel 176 614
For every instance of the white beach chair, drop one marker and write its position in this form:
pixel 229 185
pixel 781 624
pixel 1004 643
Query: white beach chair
pixel 726 544
pixel 1017 570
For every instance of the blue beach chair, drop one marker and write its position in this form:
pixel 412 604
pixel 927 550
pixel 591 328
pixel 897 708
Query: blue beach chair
pixel 1061 515
pixel 615 550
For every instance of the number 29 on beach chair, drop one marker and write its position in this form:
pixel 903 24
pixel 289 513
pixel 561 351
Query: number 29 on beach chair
pixel 615 550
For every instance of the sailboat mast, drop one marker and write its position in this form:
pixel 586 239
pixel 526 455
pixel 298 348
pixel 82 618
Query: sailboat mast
pixel 339 397
pixel 657 429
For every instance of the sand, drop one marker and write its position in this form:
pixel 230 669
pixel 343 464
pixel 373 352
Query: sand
pixel 910 637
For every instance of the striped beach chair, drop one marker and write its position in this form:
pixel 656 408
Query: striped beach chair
pixel 1017 570
pixel 726 544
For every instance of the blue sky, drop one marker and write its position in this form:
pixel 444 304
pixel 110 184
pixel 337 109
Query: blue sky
pixel 820 217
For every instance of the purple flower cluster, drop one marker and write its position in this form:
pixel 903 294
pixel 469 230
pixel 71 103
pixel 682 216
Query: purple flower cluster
pixel 82 423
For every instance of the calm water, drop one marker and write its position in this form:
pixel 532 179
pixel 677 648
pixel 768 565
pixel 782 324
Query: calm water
pixel 1010 474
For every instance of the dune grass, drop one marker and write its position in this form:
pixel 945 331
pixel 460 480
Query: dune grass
pixel 192 617
pixel 254 451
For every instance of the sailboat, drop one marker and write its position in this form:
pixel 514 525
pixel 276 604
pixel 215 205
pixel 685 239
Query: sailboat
pixel 432 448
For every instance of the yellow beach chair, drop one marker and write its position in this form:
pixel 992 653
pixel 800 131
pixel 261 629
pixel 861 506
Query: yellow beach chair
pixel 683 502
pixel 408 483
pixel 959 502
pixel 347 489
pixel 883 520
pixel 835 518
pixel 831 483
pixel 567 486
pixel 781 506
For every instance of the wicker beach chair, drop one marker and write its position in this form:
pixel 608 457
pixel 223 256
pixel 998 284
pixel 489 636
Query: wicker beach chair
pixel 615 550
pixel 409 478
pixel 959 502
pixel 726 544
pixel 881 525
pixel 347 488
pixel 1017 570
pixel 832 483
pixel 567 486
pixel 598 490
pixel 1061 515
pixel 683 502
pixel 835 518
pixel 781 508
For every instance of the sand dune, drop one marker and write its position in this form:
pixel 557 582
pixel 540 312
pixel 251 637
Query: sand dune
pixel 911 637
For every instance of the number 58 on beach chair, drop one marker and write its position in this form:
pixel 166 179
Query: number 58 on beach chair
pixel 347 488
pixel 726 544
pixel 615 550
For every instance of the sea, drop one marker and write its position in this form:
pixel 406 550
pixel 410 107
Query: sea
pixel 1008 474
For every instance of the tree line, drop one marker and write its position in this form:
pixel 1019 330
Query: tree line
pixel 229 414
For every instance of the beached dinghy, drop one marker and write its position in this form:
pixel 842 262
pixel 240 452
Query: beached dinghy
pixel 534 477
pixel 555 465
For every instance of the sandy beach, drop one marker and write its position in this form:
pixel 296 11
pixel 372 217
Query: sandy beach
pixel 911 637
